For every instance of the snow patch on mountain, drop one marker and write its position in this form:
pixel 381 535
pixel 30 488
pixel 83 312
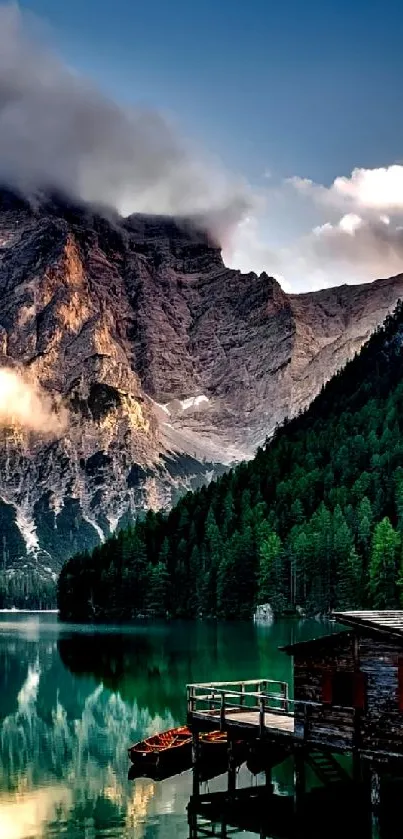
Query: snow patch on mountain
pixel 162 407
pixel 27 528
pixel 96 527
pixel 113 522
pixel 193 402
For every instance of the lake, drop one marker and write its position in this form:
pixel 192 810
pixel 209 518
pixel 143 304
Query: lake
pixel 73 698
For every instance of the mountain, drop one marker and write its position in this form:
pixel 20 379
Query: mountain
pixel 158 367
pixel 314 522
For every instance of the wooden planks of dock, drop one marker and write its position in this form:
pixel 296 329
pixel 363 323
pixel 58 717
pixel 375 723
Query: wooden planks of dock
pixel 247 718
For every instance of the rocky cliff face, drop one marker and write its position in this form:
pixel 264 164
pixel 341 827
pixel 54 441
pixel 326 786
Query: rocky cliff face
pixel 163 365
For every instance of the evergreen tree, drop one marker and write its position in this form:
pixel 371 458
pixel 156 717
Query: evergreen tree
pixel 213 549
pixel 134 571
pixel 157 598
pixel 364 525
pixel 399 497
pixel 350 581
pixel 228 518
pixel 227 592
pixel 383 569
pixel 343 545
pixel 271 576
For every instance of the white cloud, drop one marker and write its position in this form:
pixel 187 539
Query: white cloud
pixel 25 404
pixel 247 250
pixel 350 231
pixel 57 130
pixel 366 248
pixel 350 223
pixel 374 189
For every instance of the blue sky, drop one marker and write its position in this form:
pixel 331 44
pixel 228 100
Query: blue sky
pixel 307 88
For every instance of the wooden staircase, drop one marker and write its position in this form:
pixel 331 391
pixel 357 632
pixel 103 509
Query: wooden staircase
pixel 326 767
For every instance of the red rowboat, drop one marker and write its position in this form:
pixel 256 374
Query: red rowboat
pixel 171 749
pixel 170 752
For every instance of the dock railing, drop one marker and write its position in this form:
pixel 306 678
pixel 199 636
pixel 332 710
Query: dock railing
pixel 262 695
pixel 257 695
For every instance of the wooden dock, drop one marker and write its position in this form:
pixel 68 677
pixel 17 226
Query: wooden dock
pixel 347 699
pixel 253 707
pixel 262 713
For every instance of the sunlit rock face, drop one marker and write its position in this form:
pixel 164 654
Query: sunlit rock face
pixel 154 365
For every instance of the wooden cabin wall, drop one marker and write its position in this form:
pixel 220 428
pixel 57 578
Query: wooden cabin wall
pixel 326 725
pixel 382 722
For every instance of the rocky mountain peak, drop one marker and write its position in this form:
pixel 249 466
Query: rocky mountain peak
pixel 161 365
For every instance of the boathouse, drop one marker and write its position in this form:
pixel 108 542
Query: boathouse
pixel 347 692
pixel 346 697
pixel 348 687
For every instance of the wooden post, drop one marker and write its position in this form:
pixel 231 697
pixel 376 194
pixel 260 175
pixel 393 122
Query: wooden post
pixel 357 769
pixel 286 699
pixel 261 715
pixel 267 773
pixel 195 762
pixel 222 710
pixel 192 699
pixel 299 778
pixel 192 822
pixel 375 796
pixel 307 721
pixel 231 767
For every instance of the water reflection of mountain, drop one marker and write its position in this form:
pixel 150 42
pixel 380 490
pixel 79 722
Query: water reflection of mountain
pixel 63 751
pixel 72 701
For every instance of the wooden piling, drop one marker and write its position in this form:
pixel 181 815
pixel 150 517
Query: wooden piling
pixel 299 779
pixel 196 761
pixel 231 767
pixel 375 799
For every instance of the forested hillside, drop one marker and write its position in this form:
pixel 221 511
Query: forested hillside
pixel 314 521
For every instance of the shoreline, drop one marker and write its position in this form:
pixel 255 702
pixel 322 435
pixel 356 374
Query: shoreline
pixel 29 611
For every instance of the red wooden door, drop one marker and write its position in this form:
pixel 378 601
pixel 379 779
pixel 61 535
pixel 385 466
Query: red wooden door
pixel 327 687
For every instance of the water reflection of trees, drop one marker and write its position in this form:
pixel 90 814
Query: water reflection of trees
pixel 153 666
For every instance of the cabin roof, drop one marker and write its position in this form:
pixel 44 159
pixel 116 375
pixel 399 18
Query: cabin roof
pixel 390 622
pixel 310 642
pixel 386 622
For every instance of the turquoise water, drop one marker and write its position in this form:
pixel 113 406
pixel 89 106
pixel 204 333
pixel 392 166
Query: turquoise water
pixel 73 698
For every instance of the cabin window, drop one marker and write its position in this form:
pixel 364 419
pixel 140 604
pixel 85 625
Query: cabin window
pixel 347 690
pixel 343 689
